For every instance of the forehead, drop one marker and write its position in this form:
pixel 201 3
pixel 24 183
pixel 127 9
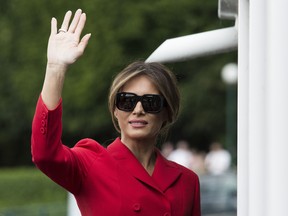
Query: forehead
pixel 140 85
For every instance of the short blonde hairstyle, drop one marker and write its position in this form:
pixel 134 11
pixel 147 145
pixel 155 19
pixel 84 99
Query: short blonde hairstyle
pixel 161 77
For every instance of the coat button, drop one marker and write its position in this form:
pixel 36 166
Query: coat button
pixel 167 214
pixel 44 115
pixel 43 123
pixel 137 207
pixel 43 130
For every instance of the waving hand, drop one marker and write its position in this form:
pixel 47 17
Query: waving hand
pixel 65 46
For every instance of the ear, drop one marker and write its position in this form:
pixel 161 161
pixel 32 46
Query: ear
pixel 116 113
pixel 164 118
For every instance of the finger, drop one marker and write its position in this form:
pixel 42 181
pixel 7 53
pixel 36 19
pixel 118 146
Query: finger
pixel 75 21
pixel 83 43
pixel 80 25
pixel 66 20
pixel 53 26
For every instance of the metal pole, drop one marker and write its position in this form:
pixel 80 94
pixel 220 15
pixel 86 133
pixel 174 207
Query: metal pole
pixel 277 107
pixel 243 91
pixel 257 112
pixel 196 45
pixel 72 208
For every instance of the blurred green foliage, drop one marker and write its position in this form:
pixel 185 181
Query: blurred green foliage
pixel 122 31
pixel 26 191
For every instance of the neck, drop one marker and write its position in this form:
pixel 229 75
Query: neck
pixel 147 161
pixel 144 152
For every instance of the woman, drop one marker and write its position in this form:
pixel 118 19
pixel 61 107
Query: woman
pixel 130 177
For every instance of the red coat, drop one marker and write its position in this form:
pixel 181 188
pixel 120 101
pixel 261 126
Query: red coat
pixel 111 182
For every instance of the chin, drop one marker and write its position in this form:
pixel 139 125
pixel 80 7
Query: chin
pixel 138 134
pixel 142 136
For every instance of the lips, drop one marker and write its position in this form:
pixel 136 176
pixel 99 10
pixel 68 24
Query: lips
pixel 138 123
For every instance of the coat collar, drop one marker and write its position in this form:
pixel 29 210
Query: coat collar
pixel 164 175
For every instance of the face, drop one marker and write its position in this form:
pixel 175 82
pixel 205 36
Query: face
pixel 138 124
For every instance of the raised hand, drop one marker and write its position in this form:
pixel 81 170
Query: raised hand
pixel 65 46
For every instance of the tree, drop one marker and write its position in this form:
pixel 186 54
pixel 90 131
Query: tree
pixel 121 32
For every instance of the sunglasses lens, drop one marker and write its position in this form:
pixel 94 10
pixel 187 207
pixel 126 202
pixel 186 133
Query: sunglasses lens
pixel 126 101
pixel 151 103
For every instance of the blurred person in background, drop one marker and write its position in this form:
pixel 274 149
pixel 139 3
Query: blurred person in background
pixel 130 176
pixel 182 154
pixel 217 160
pixel 198 162
pixel 167 148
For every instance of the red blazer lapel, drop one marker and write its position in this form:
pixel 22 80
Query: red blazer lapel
pixel 130 163
pixel 165 172
pixel 164 175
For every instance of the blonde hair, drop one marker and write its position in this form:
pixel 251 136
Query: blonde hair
pixel 161 77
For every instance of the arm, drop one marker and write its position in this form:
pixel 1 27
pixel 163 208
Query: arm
pixel 54 159
pixel 63 50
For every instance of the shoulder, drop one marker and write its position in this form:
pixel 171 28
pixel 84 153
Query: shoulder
pixel 88 146
pixel 186 173
pixel 90 154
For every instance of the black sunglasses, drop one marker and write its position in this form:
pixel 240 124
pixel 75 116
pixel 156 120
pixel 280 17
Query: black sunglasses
pixel 151 103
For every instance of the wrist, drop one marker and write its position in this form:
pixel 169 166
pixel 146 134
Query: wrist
pixel 57 67
pixel 53 84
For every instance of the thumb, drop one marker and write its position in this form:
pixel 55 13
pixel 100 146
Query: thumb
pixel 84 42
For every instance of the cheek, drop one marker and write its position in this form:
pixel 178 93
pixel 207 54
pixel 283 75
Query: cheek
pixel 121 118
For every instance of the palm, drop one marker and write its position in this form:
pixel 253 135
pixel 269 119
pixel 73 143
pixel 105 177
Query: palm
pixel 63 48
pixel 66 48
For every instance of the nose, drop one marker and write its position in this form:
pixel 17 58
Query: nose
pixel 138 108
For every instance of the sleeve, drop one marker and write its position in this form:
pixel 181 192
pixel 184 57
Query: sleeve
pixel 56 160
pixel 197 203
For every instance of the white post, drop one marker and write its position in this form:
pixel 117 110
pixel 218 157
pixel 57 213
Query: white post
pixel 257 108
pixel 243 126
pixel 72 207
pixel 196 45
pixel 277 107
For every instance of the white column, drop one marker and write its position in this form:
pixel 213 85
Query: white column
pixel 257 108
pixel 195 45
pixel 277 107
pixel 243 91
pixel 72 207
